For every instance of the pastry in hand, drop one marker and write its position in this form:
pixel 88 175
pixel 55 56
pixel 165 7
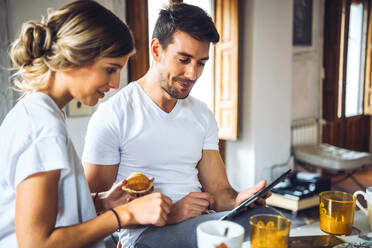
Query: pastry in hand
pixel 138 183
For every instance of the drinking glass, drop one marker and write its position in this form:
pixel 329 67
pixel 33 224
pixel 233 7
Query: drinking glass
pixel 336 211
pixel 269 231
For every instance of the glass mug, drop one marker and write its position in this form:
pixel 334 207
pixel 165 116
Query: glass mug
pixel 336 212
pixel 368 197
pixel 269 231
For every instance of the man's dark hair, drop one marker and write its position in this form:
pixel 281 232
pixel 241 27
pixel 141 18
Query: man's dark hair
pixel 185 18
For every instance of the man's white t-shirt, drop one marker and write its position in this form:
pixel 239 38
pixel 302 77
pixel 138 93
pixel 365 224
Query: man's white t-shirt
pixel 34 139
pixel 131 130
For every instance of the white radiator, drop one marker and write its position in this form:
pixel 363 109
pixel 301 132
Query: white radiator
pixel 305 131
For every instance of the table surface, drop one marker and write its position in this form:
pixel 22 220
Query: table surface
pixel 313 229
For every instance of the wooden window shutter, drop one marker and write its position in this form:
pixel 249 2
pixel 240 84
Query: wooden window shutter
pixel 333 49
pixel 137 21
pixel 368 74
pixel 226 69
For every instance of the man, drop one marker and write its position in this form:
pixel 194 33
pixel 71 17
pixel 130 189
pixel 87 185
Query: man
pixel 153 126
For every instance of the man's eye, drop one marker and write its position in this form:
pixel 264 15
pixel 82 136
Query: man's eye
pixel 201 64
pixel 110 70
pixel 184 61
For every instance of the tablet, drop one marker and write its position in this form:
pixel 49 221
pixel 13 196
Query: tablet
pixel 255 197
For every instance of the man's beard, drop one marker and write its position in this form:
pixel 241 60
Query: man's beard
pixel 170 89
pixel 173 92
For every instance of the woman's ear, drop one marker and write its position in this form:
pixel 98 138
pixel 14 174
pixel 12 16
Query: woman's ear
pixel 155 49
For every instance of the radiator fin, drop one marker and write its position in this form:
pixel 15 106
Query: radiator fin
pixel 305 131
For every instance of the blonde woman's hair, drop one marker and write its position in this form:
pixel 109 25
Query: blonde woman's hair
pixel 71 36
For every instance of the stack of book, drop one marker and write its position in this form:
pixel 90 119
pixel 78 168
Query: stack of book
pixel 300 193
pixel 292 203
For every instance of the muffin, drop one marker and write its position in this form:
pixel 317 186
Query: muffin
pixel 138 183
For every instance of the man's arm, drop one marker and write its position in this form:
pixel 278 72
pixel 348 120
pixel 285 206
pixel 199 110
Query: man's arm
pixel 100 177
pixel 213 178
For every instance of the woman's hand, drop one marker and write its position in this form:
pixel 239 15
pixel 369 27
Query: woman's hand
pixel 116 196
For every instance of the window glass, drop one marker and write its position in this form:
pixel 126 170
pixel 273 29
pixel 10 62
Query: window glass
pixel 204 87
pixel 154 7
pixel 355 62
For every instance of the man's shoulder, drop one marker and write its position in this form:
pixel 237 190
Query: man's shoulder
pixel 120 103
pixel 123 96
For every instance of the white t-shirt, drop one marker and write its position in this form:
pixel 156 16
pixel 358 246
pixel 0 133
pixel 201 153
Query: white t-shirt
pixel 34 139
pixel 130 129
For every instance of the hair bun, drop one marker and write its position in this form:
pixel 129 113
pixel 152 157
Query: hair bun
pixel 34 41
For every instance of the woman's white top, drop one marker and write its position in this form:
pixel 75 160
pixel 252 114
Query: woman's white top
pixel 33 139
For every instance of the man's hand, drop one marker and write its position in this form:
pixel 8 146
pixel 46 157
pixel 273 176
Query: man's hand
pixel 245 194
pixel 150 209
pixel 194 204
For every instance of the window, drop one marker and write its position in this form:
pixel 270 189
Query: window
pixel 368 67
pixel 355 60
pixel 345 35
pixel 204 88
pixel 153 12
pixel 347 81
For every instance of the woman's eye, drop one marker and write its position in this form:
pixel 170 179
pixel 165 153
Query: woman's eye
pixel 110 70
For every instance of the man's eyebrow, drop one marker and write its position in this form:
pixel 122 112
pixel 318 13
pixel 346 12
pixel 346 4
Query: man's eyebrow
pixel 116 65
pixel 190 56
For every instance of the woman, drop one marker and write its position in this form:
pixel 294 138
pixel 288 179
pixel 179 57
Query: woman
pixel 78 52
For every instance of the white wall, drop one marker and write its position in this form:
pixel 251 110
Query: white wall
pixel 6 96
pixel 307 70
pixel 265 92
pixel 20 11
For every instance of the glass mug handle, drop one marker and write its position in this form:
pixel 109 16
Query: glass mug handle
pixel 356 193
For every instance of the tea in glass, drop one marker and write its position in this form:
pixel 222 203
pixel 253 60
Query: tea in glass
pixel 336 212
pixel 269 231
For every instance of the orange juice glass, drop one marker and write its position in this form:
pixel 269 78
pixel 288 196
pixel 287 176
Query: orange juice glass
pixel 269 231
pixel 336 212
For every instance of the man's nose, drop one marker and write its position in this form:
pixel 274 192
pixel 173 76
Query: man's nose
pixel 191 72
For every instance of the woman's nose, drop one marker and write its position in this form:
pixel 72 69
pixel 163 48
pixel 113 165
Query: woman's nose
pixel 114 83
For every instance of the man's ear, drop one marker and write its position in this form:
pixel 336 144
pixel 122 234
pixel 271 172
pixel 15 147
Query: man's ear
pixel 155 49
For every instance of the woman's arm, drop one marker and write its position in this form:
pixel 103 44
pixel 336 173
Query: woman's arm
pixel 112 198
pixel 37 207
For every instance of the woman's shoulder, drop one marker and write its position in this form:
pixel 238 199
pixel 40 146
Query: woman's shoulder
pixel 42 114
